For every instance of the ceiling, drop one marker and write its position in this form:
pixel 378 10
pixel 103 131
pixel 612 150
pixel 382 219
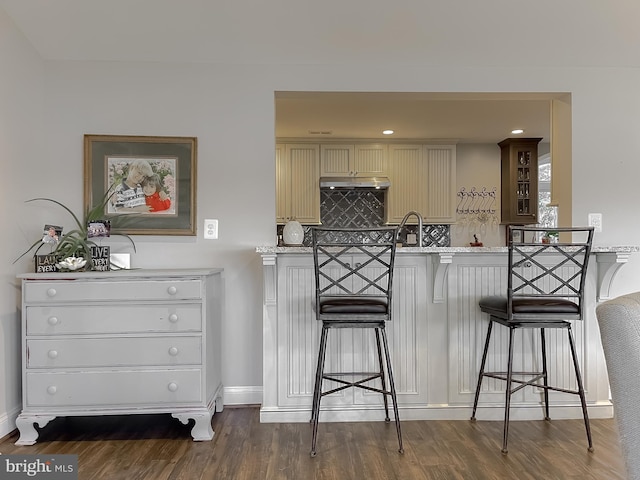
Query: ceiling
pixel 434 33
pixel 422 36
pixel 448 117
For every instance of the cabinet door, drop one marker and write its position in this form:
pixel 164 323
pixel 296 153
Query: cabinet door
pixel 366 160
pixel 298 176
pixel 282 175
pixel 336 160
pixel 519 159
pixel 440 194
pixel 423 178
pixel 370 160
pixel 407 173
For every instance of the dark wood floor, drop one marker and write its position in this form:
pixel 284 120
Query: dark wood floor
pixel 158 447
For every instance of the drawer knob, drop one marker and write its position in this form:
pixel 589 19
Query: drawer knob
pixel 52 389
pixel 53 320
pixel 173 387
pixel 173 318
pixel 51 292
pixel 173 351
pixel 172 290
pixel 53 354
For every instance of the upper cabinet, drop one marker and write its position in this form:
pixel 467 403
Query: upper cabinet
pixel 349 160
pixel 423 178
pixel 297 183
pixel 519 158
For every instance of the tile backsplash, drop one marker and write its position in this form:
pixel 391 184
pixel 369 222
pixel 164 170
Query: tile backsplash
pixel 361 208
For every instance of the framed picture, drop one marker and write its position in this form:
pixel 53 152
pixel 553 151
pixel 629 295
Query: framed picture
pixel 151 178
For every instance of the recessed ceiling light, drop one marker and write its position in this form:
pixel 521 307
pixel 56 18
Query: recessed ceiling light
pixel 517 131
pixel 387 132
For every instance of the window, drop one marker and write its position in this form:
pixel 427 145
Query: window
pixel 547 214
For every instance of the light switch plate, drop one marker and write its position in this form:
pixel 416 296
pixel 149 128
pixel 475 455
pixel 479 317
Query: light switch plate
pixel 210 229
pixel 595 220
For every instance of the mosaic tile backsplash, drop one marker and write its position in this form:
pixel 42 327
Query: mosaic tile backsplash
pixel 365 208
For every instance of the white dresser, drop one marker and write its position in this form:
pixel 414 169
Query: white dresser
pixel 118 343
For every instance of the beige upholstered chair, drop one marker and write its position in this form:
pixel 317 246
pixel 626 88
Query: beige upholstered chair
pixel 619 321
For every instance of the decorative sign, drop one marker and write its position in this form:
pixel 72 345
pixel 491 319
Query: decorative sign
pixel 100 258
pixel 46 263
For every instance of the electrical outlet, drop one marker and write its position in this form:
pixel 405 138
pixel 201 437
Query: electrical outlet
pixel 595 220
pixel 210 229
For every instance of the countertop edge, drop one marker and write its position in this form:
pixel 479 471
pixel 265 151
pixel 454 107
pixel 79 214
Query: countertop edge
pixel 438 250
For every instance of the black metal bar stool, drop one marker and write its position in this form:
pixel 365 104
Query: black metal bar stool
pixel 354 271
pixel 545 289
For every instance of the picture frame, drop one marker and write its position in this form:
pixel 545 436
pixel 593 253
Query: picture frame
pixel 152 178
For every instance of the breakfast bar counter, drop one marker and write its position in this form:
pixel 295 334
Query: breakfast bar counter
pixel 436 336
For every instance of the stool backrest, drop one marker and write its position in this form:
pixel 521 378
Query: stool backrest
pixel 540 270
pixel 354 263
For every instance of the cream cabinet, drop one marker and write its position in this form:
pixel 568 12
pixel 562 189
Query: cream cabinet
pixel 298 183
pixel 347 160
pixel 119 343
pixel 423 178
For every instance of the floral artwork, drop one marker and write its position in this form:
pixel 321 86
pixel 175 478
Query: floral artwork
pixel 142 185
pixel 148 183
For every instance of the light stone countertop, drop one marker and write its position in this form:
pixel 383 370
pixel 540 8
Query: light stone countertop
pixel 596 249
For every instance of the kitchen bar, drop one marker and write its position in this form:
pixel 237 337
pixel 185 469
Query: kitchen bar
pixel 436 338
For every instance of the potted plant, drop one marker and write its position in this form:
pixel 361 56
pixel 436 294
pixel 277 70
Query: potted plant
pixel 550 236
pixel 73 250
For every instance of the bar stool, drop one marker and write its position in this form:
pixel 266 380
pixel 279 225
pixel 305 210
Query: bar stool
pixel 545 289
pixel 353 273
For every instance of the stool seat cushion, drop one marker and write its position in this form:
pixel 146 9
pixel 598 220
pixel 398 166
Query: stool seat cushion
pixel 497 305
pixel 353 304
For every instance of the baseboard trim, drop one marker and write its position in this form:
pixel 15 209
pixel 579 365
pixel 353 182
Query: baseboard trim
pixel 8 421
pixel 243 395
pixel 458 412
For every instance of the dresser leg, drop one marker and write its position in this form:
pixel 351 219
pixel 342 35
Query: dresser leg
pixel 202 430
pixel 25 424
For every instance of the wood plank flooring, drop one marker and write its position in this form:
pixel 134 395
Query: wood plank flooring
pixel 159 447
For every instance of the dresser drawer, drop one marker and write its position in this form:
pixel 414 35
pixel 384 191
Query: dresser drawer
pixel 116 352
pixel 114 388
pixel 87 291
pixel 133 318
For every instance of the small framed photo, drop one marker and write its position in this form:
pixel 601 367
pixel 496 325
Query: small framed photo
pixel 52 235
pixel 99 228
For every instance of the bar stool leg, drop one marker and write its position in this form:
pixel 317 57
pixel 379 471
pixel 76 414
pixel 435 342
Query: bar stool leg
pixel 317 390
pixel 583 400
pixel 382 379
pixel 507 404
pixel 545 378
pixel 392 386
pixel 481 374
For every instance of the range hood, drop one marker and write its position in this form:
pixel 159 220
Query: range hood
pixel 354 182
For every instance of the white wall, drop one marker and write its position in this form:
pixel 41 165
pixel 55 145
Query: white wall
pixel 21 127
pixel 230 109
pixel 478 167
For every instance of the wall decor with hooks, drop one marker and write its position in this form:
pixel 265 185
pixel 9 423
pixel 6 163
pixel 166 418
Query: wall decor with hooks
pixel 476 210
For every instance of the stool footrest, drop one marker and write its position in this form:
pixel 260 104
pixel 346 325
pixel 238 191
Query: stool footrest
pixel 359 383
